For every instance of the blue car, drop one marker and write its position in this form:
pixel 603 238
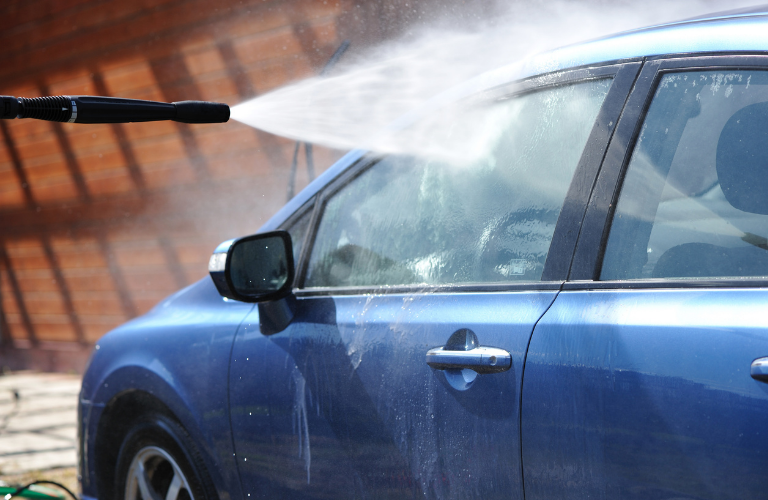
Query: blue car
pixel 578 311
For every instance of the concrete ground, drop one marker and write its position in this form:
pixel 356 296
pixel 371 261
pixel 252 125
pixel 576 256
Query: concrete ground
pixel 38 427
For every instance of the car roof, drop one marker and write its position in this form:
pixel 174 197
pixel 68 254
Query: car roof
pixel 754 10
pixel 745 30
pixel 742 30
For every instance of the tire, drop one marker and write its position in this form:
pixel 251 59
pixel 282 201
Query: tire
pixel 157 460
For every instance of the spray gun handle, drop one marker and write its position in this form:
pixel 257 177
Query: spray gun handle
pixel 94 109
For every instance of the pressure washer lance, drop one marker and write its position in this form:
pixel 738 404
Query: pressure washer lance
pixel 94 109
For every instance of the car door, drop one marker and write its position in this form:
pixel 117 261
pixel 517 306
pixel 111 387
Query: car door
pixel 644 378
pixel 400 255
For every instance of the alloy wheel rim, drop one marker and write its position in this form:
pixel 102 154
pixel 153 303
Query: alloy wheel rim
pixel 155 475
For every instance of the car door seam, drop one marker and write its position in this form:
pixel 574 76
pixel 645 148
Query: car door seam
pixel 522 381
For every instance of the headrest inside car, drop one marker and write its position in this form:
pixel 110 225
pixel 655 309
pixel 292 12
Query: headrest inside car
pixel 742 159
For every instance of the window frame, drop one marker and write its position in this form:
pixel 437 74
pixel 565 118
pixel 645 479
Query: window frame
pixel 590 249
pixel 306 209
pixel 574 207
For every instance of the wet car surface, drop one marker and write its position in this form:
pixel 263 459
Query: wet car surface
pixel 608 249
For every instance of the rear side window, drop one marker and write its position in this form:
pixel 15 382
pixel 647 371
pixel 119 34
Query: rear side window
pixel 409 220
pixel 694 203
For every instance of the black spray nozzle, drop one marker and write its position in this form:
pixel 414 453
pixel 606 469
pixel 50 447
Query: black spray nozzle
pixel 93 109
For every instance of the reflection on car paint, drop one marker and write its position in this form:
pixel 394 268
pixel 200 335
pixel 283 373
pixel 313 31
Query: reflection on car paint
pixel 384 423
pixel 640 394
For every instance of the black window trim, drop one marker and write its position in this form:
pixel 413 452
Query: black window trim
pixel 306 208
pixel 590 248
pixel 563 241
pixel 569 222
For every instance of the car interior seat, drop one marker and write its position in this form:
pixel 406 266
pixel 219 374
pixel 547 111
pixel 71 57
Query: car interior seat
pixel 742 170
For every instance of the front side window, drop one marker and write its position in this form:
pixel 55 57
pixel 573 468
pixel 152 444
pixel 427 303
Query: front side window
pixel 694 203
pixel 415 220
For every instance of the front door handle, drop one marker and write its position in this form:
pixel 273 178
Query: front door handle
pixel 759 369
pixel 462 352
pixel 479 359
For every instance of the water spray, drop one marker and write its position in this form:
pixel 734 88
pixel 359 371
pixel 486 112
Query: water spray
pixel 96 109
pixel 308 145
pixel 356 106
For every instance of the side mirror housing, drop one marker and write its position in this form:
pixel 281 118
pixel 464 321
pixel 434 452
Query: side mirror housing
pixel 255 268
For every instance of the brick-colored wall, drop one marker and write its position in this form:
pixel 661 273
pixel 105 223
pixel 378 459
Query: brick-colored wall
pixel 100 222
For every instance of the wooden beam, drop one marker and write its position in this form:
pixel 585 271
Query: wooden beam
pixel 246 90
pixel 146 33
pixel 122 137
pixel 172 261
pixel 18 168
pixel 159 210
pixel 172 73
pixel 64 292
pixel 126 302
pixel 18 296
pixel 69 156
pixel 6 339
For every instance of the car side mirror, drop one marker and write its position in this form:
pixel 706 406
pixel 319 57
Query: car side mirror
pixel 255 268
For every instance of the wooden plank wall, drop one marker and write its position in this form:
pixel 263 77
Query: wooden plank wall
pixel 100 222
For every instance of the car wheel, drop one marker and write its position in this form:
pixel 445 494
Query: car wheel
pixel 158 461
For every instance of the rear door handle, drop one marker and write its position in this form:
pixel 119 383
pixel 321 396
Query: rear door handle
pixel 479 359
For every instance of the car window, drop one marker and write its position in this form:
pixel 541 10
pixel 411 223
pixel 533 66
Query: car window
pixel 417 220
pixel 694 203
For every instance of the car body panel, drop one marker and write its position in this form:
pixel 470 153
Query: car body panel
pixel 178 353
pixel 647 394
pixel 342 403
